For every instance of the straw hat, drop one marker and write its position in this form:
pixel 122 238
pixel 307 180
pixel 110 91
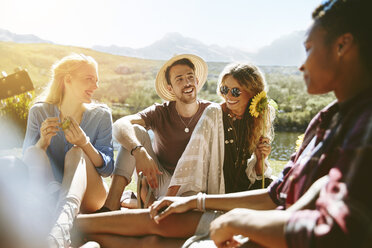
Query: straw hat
pixel 201 72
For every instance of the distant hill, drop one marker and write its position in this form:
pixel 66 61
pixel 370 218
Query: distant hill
pixel 6 35
pixel 117 73
pixel 175 43
pixel 285 51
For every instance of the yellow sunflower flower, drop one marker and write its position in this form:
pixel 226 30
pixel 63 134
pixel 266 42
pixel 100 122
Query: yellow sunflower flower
pixel 299 141
pixel 259 104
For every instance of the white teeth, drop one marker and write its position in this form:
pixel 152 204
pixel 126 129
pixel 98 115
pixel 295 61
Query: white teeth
pixel 231 102
pixel 188 90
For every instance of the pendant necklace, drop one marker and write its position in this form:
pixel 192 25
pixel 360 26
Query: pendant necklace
pixel 186 126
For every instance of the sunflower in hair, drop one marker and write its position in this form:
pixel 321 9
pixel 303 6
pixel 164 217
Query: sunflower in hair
pixel 259 104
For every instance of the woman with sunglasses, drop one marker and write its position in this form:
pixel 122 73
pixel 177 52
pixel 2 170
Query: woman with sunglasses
pixel 226 149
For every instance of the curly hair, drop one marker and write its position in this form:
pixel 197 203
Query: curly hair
pixel 338 17
pixel 252 80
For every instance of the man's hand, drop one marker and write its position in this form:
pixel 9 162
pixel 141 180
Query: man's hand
pixel 147 165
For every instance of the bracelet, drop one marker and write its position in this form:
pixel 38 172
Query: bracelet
pixel 200 201
pixel 135 148
pixel 203 202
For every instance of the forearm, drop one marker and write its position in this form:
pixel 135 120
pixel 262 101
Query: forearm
pixel 253 199
pixel 92 153
pixel 41 144
pixel 263 227
pixel 172 191
pixel 258 166
pixel 124 133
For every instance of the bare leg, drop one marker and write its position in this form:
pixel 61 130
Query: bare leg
pixel 116 190
pixel 137 222
pixel 124 168
pixel 114 241
pixel 81 185
pixel 81 181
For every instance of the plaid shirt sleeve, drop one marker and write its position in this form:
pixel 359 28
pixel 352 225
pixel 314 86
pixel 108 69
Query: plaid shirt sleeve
pixel 343 213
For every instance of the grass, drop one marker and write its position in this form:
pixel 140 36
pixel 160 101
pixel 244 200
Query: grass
pixel 277 166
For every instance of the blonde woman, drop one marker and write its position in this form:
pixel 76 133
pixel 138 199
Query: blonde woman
pixel 69 141
pixel 225 151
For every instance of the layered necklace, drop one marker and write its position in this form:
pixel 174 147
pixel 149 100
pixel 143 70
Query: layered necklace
pixel 187 129
pixel 236 138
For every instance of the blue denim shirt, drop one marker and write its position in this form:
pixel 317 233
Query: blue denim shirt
pixel 96 123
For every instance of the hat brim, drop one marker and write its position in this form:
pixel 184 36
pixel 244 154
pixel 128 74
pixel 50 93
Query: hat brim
pixel 201 73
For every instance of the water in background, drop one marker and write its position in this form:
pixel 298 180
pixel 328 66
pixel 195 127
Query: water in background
pixel 284 145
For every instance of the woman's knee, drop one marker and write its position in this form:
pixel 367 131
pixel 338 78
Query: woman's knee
pixel 33 153
pixel 74 152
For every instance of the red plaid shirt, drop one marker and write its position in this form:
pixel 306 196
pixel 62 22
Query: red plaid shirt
pixel 337 143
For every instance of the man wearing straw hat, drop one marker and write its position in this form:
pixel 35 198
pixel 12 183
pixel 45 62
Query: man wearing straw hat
pixel 172 122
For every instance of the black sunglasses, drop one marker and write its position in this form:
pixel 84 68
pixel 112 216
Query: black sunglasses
pixel 235 92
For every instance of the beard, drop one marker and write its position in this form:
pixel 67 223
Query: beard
pixel 187 99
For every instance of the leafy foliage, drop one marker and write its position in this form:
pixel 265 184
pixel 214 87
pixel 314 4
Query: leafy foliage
pixel 16 108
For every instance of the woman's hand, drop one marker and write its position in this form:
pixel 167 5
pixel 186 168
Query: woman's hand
pixel 75 135
pixel 263 148
pixel 48 129
pixel 170 205
pixel 223 229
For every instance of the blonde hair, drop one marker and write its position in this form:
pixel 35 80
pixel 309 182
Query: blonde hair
pixel 252 80
pixel 54 92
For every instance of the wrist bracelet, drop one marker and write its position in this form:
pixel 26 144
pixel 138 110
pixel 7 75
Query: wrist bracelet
pixel 200 201
pixel 135 148
pixel 203 202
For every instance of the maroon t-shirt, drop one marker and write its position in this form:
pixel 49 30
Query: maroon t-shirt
pixel 170 138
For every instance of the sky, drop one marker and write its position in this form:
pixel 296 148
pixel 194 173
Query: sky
pixel 244 24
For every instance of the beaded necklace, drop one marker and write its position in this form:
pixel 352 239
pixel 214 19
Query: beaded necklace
pixel 236 137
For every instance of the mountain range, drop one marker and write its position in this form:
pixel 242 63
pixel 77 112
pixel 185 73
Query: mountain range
pixel 284 51
pixel 6 35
